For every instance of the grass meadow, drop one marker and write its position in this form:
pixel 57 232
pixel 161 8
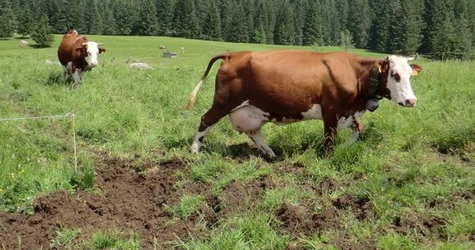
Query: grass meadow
pixel 412 164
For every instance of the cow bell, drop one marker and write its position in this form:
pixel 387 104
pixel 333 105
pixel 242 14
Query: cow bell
pixel 372 104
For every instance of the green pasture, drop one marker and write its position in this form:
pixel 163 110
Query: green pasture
pixel 407 159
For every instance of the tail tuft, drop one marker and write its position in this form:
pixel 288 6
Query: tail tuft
pixel 192 98
pixel 190 103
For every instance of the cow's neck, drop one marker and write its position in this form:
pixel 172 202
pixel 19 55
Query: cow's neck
pixel 373 85
pixel 82 63
pixel 370 89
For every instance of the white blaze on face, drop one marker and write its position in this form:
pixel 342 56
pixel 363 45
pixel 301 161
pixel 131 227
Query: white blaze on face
pixel 92 50
pixel 399 81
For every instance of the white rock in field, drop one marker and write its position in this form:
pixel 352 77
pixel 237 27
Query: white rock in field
pixel 140 65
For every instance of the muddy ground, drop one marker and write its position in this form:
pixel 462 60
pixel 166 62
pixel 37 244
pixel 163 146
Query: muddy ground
pixel 137 201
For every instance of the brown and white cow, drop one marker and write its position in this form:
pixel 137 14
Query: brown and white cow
pixel 77 55
pixel 282 87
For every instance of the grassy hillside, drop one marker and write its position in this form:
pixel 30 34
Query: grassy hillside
pixel 409 184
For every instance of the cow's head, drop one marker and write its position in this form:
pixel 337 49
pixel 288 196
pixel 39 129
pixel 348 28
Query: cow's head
pixel 90 50
pixel 397 71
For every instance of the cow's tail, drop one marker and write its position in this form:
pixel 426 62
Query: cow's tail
pixel 192 97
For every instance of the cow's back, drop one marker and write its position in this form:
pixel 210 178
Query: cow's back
pixel 67 48
pixel 287 81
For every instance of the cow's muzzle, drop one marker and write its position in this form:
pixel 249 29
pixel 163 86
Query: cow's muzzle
pixel 408 103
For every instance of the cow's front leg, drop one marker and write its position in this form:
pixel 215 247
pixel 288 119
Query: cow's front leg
pixel 77 76
pixel 258 139
pixel 357 128
pixel 330 126
pixel 65 75
pixel 331 123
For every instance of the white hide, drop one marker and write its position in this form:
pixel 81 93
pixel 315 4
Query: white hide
pixel 92 50
pixel 401 92
pixel 345 122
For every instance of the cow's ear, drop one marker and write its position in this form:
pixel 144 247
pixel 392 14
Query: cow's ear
pixel 383 66
pixel 416 69
pixel 102 51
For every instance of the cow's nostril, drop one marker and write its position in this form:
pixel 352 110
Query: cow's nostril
pixel 410 102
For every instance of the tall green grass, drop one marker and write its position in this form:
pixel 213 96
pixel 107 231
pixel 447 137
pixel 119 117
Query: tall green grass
pixel 407 160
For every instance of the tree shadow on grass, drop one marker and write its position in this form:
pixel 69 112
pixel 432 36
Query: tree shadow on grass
pixel 310 141
pixel 240 152
pixel 372 134
pixel 38 46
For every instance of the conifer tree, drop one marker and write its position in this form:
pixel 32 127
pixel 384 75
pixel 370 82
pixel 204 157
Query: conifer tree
pixel 185 23
pixel 259 33
pixel 147 23
pixel 299 21
pixel 7 20
pixel 444 40
pixel 412 32
pixel 79 18
pixel 269 18
pixel 110 24
pixel 396 30
pixel 42 33
pixel 346 40
pixel 237 29
pixel 379 35
pixel 360 22
pixel 312 31
pixel 463 47
pixel 94 22
pixel 25 22
pixel 285 29
pixel 164 17
pixel 212 24
pixel 434 15
pixel 126 17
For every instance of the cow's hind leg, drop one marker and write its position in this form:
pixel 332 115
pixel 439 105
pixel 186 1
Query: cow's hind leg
pixel 258 139
pixel 249 119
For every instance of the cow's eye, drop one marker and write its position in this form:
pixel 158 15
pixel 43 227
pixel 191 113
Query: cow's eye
pixel 396 76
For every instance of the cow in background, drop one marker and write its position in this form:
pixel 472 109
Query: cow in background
pixel 77 55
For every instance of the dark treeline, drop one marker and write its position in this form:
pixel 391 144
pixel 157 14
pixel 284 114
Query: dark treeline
pixel 442 29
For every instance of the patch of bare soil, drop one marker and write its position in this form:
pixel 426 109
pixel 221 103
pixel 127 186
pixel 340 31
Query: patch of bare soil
pixel 138 199
pixel 126 200
pixel 426 225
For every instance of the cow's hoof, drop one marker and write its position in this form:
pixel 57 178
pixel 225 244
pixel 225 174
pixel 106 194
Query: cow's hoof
pixel 195 148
